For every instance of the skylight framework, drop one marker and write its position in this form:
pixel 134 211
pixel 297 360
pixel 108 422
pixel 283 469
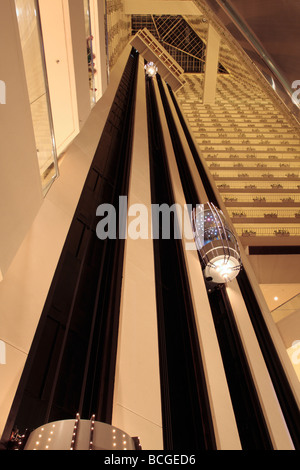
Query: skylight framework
pixel 178 38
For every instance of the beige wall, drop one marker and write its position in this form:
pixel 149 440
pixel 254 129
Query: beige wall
pixel 276 269
pixel 98 31
pixel 289 328
pixel 158 7
pixel 20 185
pixel 25 286
pixel 211 66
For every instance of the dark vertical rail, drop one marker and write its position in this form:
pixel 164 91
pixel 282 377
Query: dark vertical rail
pixel 97 394
pixel 188 185
pixel 201 170
pixel 279 379
pixel 71 363
pixel 253 431
pixel 248 412
pixel 187 422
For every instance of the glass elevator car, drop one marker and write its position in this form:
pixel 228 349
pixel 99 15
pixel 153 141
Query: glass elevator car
pixel 216 244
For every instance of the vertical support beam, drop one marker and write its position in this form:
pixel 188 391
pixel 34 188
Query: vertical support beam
pixel 41 248
pixel 137 371
pixel 225 428
pixel 211 66
pixel 20 190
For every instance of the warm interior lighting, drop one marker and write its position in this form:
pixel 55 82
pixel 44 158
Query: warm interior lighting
pixel 216 243
pixel 222 270
pixel 151 69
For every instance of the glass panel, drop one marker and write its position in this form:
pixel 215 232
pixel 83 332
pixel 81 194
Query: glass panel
pixel 210 225
pixel 28 20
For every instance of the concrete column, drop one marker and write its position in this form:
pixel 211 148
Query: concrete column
pixel 137 400
pixel 211 66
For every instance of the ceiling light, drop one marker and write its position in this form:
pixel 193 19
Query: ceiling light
pixel 151 69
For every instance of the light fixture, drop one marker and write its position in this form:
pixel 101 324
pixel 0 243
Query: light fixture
pixel 151 69
pixel 83 435
pixel 216 243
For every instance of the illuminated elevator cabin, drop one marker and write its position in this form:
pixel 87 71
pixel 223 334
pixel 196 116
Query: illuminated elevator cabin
pixel 149 294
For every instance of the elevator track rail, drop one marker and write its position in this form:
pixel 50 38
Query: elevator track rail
pixel 187 421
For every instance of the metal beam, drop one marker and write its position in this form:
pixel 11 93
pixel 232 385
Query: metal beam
pixel 211 66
